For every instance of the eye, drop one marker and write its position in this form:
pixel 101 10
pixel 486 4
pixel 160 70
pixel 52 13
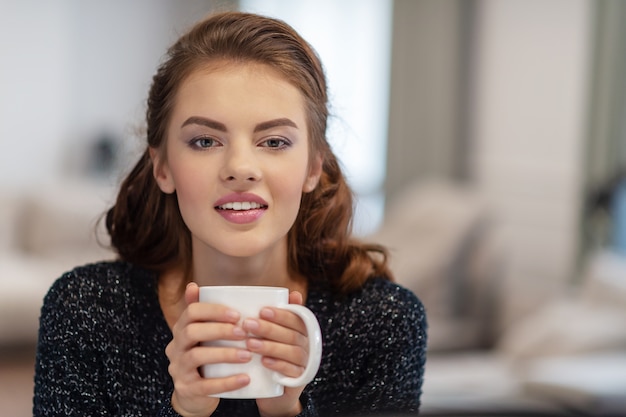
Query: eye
pixel 276 143
pixel 204 142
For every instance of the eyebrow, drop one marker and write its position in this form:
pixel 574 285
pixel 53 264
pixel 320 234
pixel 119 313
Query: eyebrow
pixel 203 121
pixel 275 123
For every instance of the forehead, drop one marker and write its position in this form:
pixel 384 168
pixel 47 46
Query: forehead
pixel 224 83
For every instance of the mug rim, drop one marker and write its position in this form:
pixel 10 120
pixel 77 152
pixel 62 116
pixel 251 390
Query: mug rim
pixel 243 287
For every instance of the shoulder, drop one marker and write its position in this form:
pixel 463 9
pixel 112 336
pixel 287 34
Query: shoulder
pixel 389 295
pixel 389 304
pixel 102 276
pixel 378 305
pixel 91 285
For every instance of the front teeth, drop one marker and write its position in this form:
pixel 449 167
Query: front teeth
pixel 245 205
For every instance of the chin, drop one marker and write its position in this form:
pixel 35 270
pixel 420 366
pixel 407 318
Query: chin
pixel 247 249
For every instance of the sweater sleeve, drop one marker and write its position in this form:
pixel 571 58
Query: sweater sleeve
pixel 101 345
pixel 68 374
pixel 308 406
pixel 167 410
pixel 397 354
pixel 375 345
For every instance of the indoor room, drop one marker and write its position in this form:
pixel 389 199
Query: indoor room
pixel 484 141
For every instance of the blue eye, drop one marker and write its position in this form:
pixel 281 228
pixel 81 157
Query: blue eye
pixel 204 143
pixel 276 143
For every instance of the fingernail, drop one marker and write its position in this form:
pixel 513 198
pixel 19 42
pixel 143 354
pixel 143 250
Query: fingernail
pixel 254 344
pixel 232 314
pixel 267 313
pixel 243 379
pixel 251 324
pixel 239 332
pixel 244 355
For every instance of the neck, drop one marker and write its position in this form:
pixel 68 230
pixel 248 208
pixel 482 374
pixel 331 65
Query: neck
pixel 267 268
pixel 239 271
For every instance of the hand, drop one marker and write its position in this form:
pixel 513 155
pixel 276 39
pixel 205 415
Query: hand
pixel 281 339
pixel 202 322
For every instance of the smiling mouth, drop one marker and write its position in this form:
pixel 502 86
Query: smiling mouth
pixel 241 206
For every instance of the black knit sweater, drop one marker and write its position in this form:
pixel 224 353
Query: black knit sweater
pixel 102 339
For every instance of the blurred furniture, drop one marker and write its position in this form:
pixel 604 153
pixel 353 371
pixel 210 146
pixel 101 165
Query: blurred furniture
pixel 444 247
pixel 44 232
pixel 569 353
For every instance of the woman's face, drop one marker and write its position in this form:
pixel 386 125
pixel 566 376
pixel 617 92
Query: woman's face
pixel 237 156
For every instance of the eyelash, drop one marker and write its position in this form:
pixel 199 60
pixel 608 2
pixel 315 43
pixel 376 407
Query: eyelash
pixel 284 143
pixel 197 143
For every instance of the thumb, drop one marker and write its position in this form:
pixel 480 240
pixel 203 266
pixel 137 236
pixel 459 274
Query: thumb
pixel 192 293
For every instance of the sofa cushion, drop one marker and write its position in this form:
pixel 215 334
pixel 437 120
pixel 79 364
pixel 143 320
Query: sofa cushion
pixel 64 220
pixel 565 327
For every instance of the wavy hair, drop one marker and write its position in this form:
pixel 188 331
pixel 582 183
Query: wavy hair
pixel 145 224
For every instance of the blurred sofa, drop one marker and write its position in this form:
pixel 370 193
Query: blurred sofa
pixel 444 246
pixel 44 232
pixel 569 353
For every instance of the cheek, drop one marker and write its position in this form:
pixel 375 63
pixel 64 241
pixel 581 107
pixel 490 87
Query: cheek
pixel 192 186
pixel 291 184
pixel 287 195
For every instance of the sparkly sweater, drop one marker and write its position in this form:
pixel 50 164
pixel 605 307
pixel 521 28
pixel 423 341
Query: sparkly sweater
pixel 102 339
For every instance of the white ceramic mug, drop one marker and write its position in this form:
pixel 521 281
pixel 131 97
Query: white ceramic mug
pixel 248 301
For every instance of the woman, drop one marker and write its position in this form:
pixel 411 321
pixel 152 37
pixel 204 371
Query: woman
pixel 237 186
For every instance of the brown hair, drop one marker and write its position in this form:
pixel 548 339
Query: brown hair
pixel 145 224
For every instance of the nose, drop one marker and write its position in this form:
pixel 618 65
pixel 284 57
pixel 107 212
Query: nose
pixel 240 165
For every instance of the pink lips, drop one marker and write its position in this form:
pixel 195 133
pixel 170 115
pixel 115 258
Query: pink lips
pixel 241 208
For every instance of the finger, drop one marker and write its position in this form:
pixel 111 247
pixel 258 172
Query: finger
pixel 215 386
pixel 205 312
pixel 283 318
pixel 207 355
pixel 296 355
pixel 279 332
pixel 192 293
pixel 199 332
pixel 296 298
pixel 282 367
pixel 186 393
pixel 185 367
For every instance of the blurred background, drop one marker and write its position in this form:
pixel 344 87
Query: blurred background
pixel 485 141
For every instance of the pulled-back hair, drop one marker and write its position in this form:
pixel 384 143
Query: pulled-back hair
pixel 145 224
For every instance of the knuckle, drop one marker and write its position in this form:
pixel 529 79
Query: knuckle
pixel 195 356
pixel 172 371
pixel 168 350
pixel 187 332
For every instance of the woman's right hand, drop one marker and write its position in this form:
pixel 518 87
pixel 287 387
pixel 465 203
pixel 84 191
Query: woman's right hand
pixel 202 322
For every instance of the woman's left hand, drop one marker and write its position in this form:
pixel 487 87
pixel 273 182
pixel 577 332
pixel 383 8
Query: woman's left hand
pixel 281 339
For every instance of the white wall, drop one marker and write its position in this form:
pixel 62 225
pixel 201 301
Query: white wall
pixel 529 114
pixel 72 69
pixel 35 60
pixel 354 44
